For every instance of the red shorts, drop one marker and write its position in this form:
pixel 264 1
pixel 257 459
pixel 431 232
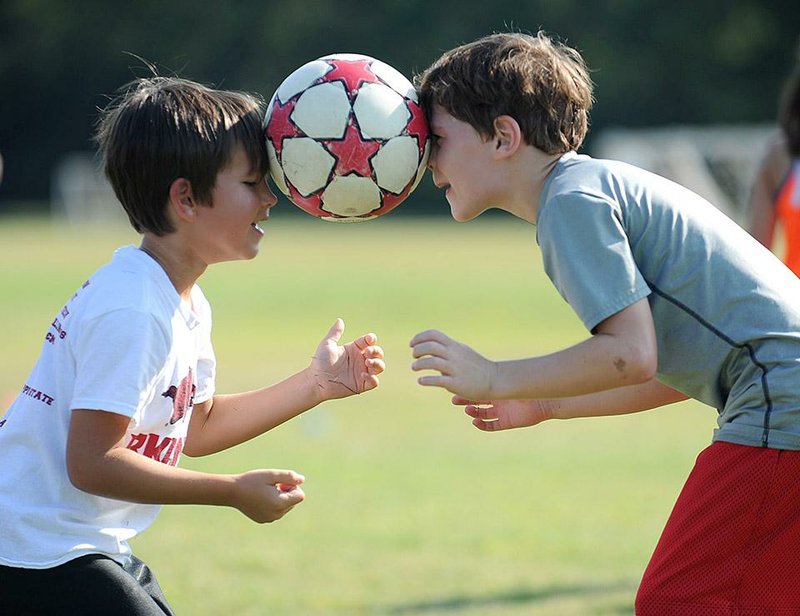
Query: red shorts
pixel 732 543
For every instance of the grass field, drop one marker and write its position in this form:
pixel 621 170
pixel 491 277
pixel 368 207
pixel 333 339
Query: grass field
pixel 409 510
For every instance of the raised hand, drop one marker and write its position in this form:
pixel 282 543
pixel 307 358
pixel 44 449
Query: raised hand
pixel 345 370
pixel 495 415
pixel 462 370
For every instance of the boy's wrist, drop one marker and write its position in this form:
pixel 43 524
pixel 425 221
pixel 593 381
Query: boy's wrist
pixel 548 409
pixel 498 385
pixel 314 390
pixel 225 493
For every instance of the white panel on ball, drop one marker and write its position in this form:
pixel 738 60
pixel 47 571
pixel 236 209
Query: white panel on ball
pixel 307 164
pixel 275 169
pixel 351 195
pixel 396 163
pixel 423 166
pixel 381 112
pixel 301 79
pixel 395 79
pixel 322 111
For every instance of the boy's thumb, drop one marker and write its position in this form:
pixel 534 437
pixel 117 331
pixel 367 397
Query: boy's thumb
pixel 336 330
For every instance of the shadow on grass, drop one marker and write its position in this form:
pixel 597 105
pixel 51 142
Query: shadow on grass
pixel 514 597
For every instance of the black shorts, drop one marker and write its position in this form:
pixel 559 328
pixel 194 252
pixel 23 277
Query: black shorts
pixel 92 585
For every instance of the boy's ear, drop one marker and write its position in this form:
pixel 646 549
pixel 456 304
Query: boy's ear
pixel 181 199
pixel 507 135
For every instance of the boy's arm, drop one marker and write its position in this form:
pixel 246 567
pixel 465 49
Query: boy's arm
pixel 231 419
pixel 622 352
pixel 335 372
pixel 98 463
pixel 505 414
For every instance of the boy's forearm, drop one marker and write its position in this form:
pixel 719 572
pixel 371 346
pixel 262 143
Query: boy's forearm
pixel 596 364
pixel 125 475
pixel 620 401
pixel 232 419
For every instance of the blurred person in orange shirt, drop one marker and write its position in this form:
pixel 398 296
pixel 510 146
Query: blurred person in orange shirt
pixel 775 197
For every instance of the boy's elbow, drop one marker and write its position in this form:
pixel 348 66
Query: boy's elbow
pixel 647 366
pixel 640 366
pixel 81 475
pixel 192 452
pixel 647 370
pixel 88 472
pixel 195 447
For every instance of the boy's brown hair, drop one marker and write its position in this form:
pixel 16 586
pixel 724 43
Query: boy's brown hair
pixel 160 129
pixel 543 84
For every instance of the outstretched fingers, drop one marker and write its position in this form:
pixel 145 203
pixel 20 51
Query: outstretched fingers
pixel 484 415
pixel 484 418
pixel 372 352
pixel 430 351
pixel 487 426
pixel 365 341
pixel 373 362
pixel 375 365
pixel 429 336
pixel 429 348
pixel 370 381
pixel 430 362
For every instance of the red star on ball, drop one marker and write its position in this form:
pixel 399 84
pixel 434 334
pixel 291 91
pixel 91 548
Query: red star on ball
pixel 280 124
pixel 310 203
pixel 418 125
pixel 352 72
pixel 353 153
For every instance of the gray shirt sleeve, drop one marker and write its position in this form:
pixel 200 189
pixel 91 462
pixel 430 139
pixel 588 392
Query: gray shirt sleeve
pixel 588 257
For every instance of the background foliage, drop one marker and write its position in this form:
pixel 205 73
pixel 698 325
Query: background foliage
pixel 654 62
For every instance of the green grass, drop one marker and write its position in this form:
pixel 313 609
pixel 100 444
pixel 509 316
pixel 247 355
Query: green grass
pixel 409 510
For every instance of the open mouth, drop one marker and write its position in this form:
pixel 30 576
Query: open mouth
pixel 257 227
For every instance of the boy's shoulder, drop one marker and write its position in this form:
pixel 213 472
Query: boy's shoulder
pixel 616 179
pixel 581 173
pixel 131 280
pixel 583 164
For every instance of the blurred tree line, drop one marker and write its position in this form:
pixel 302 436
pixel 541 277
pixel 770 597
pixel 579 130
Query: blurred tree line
pixel 653 62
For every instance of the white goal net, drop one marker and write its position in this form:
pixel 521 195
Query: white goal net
pixel 80 194
pixel 717 162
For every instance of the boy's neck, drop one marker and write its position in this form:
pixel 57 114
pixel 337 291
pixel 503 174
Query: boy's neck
pixel 177 266
pixel 527 179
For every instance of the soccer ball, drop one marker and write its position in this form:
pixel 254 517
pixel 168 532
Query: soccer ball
pixel 347 138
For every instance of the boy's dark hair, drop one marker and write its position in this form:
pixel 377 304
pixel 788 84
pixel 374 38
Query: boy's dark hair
pixel 789 110
pixel 543 84
pixel 160 129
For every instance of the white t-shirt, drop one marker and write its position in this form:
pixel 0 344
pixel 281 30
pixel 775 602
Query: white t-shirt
pixel 123 343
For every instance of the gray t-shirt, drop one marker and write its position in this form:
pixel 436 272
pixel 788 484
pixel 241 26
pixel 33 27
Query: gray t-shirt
pixel 726 310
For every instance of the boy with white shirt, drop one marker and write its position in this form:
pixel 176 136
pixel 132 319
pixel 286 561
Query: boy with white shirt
pixel 125 380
